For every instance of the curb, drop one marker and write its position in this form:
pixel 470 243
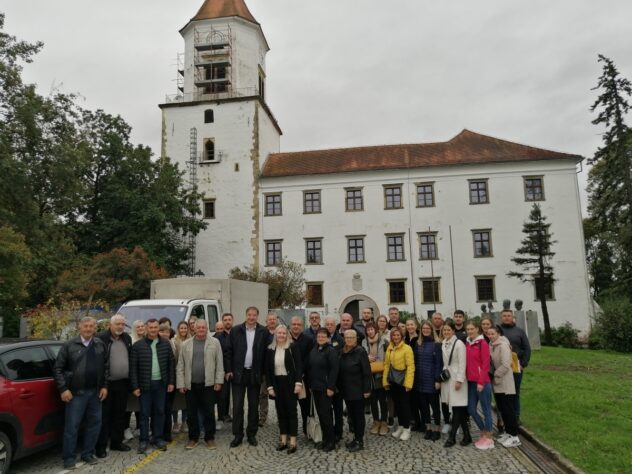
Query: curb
pixel 559 460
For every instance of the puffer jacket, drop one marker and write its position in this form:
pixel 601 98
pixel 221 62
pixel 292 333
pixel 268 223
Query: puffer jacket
pixel 399 357
pixel 428 365
pixel 141 359
pixel 70 363
pixel 477 356
pixel 503 375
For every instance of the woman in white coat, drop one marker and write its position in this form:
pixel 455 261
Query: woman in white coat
pixel 454 390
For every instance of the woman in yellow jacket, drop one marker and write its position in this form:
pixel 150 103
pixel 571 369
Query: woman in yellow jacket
pixel 399 373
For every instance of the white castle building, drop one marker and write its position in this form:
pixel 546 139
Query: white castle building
pixel 423 227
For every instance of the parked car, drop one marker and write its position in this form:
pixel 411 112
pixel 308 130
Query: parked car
pixel 31 411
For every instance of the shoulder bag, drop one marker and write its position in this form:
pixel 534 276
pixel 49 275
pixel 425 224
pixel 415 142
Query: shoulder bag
pixel 444 376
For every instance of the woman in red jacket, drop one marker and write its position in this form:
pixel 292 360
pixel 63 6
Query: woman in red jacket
pixel 478 383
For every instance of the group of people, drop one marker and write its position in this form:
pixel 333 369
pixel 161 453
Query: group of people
pixel 415 373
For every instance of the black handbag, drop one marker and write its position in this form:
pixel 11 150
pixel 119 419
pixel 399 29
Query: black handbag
pixel 444 376
pixel 396 376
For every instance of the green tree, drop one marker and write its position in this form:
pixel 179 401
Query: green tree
pixel 609 239
pixel 14 260
pixel 286 282
pixel 534 256
pixel 113 277
pixel 133 200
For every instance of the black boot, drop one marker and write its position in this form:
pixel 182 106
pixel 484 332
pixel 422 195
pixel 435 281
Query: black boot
pixel 451 441
pixel 428 435
pixel 467 438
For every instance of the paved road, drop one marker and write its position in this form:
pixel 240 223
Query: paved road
pixel 382 454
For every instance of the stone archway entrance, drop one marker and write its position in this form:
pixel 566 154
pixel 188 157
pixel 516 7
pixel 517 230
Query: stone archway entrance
pixel 356 303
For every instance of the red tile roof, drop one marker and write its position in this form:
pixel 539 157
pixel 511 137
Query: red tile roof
pixel 465 148
pixel 222 9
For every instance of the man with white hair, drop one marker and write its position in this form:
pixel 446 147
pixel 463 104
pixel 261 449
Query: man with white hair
pixel 119 345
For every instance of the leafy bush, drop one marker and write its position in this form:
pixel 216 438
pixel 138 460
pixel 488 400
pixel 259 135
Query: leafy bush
pixel 613 327
pixel 565 336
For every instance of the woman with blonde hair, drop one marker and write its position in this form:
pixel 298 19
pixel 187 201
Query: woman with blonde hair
pixel 284 371
pixel 398 377
pixel 138 330
pixel 428 366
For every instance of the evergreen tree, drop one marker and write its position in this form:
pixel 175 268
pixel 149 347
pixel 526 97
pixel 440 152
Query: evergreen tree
pixel 609 238
pixel 534 256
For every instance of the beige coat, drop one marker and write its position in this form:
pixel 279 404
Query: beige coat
pixel 213 363
pixel 449 393
pixel 501 359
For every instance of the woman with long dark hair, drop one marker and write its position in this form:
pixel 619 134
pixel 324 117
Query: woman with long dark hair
pixel 428 366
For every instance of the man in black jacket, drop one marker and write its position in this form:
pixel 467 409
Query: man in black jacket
pixel 223 403
pixel 245 363
pixel 305 344
pixel 81 376
pixel 521 346
pixel 152 375
pixel 119 345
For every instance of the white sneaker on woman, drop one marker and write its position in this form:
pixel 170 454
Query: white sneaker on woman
pixel 446 428
pixel 405 436
pixel 398 432
pixel 128 435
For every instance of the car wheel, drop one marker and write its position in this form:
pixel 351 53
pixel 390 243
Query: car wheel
pixel 6 453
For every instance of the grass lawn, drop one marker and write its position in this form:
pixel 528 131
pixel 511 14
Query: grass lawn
pixel 579 402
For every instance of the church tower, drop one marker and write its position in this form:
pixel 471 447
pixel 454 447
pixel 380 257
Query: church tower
pixel 219 129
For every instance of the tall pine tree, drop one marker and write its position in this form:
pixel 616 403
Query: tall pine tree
pixel 610 188
pixel 534 256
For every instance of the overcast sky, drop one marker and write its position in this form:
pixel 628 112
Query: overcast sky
pixel 354 72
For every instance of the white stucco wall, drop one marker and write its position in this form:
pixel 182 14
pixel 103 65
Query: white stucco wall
pixel 505 215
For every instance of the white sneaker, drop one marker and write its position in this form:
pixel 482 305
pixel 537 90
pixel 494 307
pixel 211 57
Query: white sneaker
pixel 405 436
pixel 219 425
pixel 503 437
pixel 511 442
pixel 136 433
pixel 128 435
pixel 446 428
pixel 398 432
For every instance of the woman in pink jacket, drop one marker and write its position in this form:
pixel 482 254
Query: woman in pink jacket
pixel 478 383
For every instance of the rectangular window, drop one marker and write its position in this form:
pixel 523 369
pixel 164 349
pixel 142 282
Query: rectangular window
pixel 485 289
pixel 311 202
pixel 428 246
pixel 208 210
pixel 548 289
pixel 392 197
pixel 273 205
pixel 425 195
pixel 314 294
pixel 430 290
pixel 533 188
pixel 313 251
pixel 482 243
pixel 354 200
pixel 273 252
pixel 397 292
pixel 355 249
pixel 395 247
pixel 478 192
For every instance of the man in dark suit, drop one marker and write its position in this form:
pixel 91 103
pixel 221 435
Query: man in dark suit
pixel 245 363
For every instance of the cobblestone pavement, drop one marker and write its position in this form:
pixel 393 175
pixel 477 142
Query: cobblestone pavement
pixel 382 454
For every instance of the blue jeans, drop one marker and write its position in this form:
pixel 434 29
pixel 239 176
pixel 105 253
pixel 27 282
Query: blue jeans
pixel 517 382
pixel 484 397
pixel 152 404
pixel 84 403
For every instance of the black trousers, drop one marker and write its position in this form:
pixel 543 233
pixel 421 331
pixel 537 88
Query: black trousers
pixel 285 402
pixel 324 409
pixel 113 415
pixel 459 419
pixel 415 409
pixel 445 410
pixel 168 418
pixel 201 399
pixel 427 402
pixel 251 388
pixel 402 406
pixel 378 404
pixel 506 404
pixel 223 400
pixel 305 404
pixel 356 417
pixel 338 414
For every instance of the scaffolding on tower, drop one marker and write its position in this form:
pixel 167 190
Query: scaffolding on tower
pixel 192 166
pixel 212 61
